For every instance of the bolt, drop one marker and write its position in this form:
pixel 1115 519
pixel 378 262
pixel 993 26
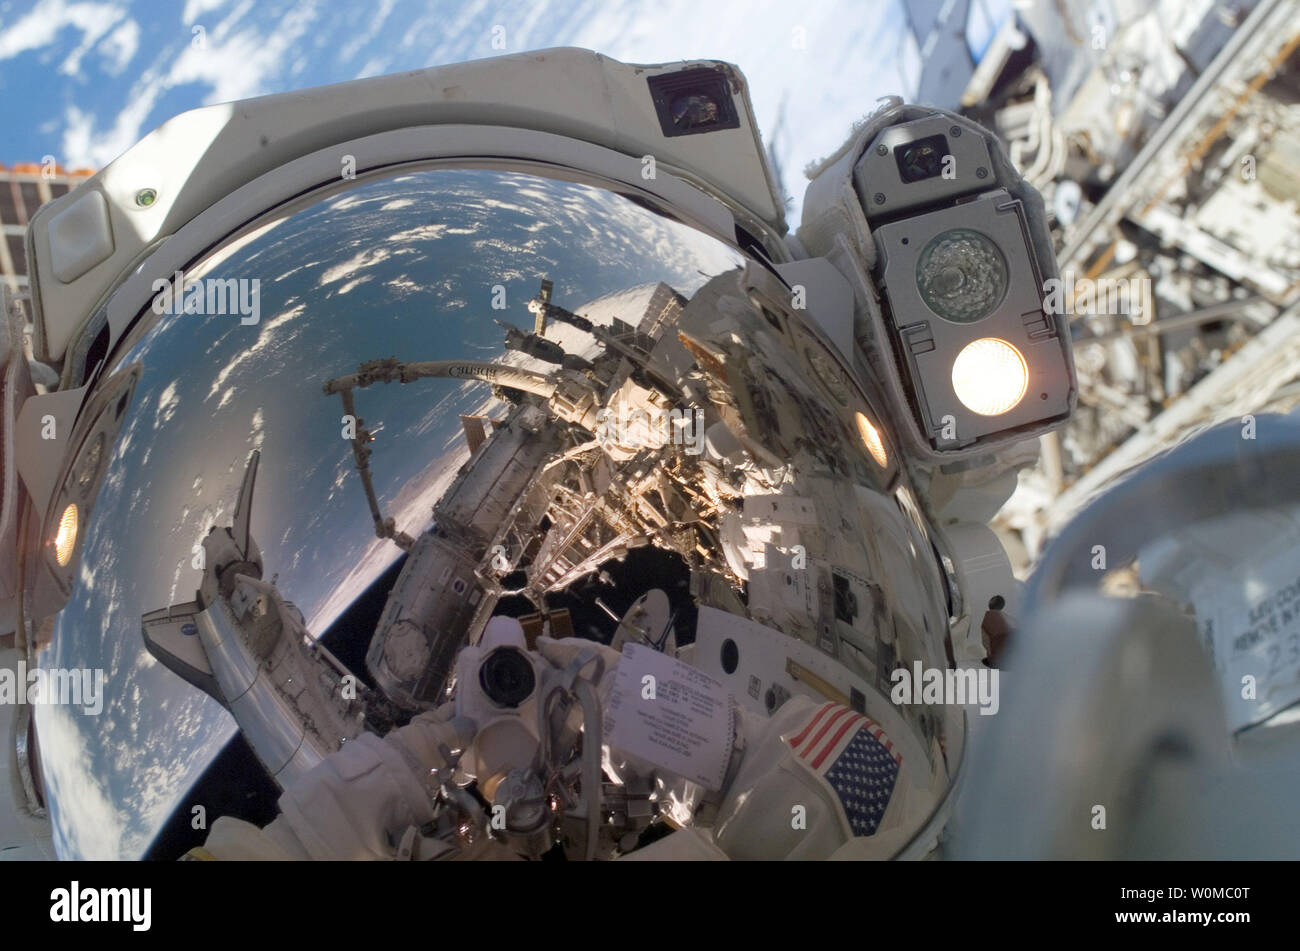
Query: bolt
pixel 955 132
pixel 880 198
pixel 145 197
pixel 981 172
pixel 882 149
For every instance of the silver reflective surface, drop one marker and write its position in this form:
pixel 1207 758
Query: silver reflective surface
pixel 419 265
pixel 1158 666
pixel 402 266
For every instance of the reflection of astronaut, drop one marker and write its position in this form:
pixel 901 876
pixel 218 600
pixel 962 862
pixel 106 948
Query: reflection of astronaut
pixel 769 733
pixel 815 780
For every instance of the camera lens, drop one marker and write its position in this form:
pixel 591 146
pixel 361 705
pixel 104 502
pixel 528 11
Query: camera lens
pixel 694 109
pixel 921 159
pixel 507 677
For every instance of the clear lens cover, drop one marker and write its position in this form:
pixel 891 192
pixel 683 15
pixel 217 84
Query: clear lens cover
pixel 962 275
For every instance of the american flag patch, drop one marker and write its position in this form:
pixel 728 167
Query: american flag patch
pixel 855 757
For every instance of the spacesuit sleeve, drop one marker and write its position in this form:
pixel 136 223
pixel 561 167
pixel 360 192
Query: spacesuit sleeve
pixel 355 804
pixel 779 806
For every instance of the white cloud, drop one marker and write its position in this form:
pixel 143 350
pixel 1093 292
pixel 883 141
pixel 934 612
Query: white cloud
pixel 377 20
pixel 354 283
pixel 364 259
pixel 95 23
pixel 41 26
pixel 120 46
pixel 196 8
pixel 104 27
pixel 267 334
pixel 167 403
pixel 257 429
pixel 85 145
pixel 239 65
pixel 85 814
pixel 373 67
pixel 233 64
pixel 402 283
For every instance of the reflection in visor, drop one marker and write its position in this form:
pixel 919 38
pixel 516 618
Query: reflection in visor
pixel 526 379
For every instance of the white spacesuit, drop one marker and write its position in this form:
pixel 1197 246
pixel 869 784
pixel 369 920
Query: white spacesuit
pixel 782 449
pixel 370 799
